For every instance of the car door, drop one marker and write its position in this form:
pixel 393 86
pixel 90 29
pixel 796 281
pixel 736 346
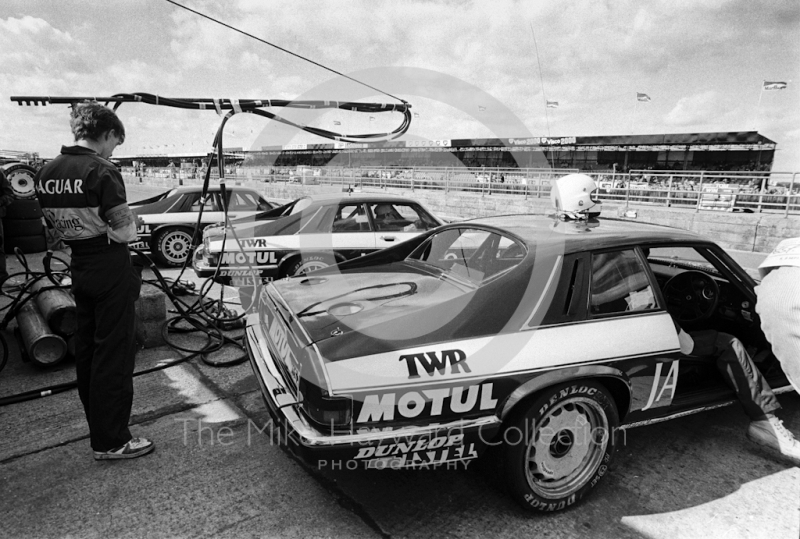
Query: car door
pixel 627 318
pixel 396 222
pixel 351 231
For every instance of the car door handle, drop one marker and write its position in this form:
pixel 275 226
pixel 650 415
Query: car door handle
pixel 388 238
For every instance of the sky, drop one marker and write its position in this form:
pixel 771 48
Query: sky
pixel 468 69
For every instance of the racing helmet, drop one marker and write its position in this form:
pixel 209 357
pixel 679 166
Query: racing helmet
pixel 576 195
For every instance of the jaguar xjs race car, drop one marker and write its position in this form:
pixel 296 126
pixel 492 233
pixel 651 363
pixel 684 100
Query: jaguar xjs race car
pixel 535 337
pixel 307 234
pixel 169 218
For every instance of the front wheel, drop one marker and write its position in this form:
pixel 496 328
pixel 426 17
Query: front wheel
pixel 172 246
pixel 305 264
pixel 558 449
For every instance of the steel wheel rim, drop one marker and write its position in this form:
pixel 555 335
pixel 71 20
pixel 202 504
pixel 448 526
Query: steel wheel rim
pixel 566 448
pixel 175 246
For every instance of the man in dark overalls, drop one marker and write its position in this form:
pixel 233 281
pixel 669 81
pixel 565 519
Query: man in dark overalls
pixel 83 200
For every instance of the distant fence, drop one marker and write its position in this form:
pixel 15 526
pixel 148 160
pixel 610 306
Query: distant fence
pixel 739 191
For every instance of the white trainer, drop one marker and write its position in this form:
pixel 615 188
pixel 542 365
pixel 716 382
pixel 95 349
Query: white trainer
pixel 136 447
pixel 772 435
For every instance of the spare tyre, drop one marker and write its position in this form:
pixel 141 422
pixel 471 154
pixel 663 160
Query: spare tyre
pixel 20 177
pixel 26 244
pixel 14 228
pixel 24 208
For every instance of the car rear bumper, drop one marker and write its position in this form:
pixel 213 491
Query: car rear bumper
pixel 434 445
pixel 231 275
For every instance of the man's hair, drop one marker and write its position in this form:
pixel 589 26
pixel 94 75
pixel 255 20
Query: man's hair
pixel 91 120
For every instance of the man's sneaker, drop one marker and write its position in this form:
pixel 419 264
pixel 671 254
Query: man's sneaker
pixel 772 435
pixel 137 447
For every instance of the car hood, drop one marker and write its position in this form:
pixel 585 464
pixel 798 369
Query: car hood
pixel 366 312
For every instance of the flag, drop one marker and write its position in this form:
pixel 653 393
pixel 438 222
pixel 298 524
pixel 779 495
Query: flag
pixel 552 104
pixel 642 97
pixel 337 122
pixel 480 108
pixel 774 85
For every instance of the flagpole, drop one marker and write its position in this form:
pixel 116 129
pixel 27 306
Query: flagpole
pixel 758 106
pixel 633 117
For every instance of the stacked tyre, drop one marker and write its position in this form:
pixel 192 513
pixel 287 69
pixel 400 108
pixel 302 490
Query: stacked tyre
pixel 23 226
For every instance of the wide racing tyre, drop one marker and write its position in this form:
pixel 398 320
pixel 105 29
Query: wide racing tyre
pixel 172 245
pixel 307 263
pixel 14 228
pixel 26 244
pixel 557 449
pixel 20 178
pixel 28 208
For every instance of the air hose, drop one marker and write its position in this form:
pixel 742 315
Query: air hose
pixel 207 317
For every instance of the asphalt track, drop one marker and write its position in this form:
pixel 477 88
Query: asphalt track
pixel 216 472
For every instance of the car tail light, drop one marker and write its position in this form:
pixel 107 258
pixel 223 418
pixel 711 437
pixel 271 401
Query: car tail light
pixel 327 411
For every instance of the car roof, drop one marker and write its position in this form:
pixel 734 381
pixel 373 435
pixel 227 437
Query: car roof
pixel 584 235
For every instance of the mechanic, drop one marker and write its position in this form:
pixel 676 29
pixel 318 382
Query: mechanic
pixel 83 199
pixel 778 305
pixel 6 198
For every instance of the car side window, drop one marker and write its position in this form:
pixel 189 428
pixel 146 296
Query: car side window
pixel 242 202
pixel 619 284
pixel 401 217
pixel 351 218
pixel 208 203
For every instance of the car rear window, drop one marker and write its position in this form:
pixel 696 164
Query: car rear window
pixel 470 255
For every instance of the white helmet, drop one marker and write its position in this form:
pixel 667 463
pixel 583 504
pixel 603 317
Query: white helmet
pixel 576 195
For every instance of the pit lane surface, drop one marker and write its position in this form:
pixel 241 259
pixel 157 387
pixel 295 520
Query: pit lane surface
pixel 216 472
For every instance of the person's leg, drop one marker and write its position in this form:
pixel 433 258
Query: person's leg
pixel 109 395
pixel 778 306
pixel 741 373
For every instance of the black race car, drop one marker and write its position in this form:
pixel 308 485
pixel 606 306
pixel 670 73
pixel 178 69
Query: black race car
pixel 536 337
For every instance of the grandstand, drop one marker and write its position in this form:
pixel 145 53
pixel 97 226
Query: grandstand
pixel 742 151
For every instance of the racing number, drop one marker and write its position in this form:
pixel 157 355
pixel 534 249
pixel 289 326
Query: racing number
pixel 668 384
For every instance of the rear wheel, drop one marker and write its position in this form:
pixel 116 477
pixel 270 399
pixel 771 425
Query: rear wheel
pixel 172 246
pixel 558 449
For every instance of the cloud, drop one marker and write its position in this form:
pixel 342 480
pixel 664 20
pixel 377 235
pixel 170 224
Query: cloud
pixel 697 109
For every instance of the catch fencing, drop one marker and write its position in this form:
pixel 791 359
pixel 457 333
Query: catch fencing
pixel 736 191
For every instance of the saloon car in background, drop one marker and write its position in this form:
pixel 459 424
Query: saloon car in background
pixel 536 337
pixel 170 218
pixel 307 234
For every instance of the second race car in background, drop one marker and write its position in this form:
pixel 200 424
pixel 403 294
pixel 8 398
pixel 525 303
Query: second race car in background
pixel 307 234
pixel 169 218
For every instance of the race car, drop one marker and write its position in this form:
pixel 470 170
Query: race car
pixel 531 339
pixel 169 219
pixel 309 233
